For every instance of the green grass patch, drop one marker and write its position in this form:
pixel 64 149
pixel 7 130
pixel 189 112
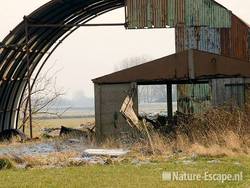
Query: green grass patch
pixel 5 164
pixel 127 175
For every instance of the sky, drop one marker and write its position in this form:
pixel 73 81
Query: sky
pixel 91 52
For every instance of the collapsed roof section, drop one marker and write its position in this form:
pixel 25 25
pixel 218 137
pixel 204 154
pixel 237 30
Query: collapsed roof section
pixel 183 66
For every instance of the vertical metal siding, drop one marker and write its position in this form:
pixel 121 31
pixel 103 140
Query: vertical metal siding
pixel 176 12
pixel 235 94
pixel 180 11
pixel 194 98
pixel 171 13
pixel 161 13
pixel 228 90
pixel 206 13
pixel 138 14
pixel 234 41
pixel 200 38
pixel 180 38
pixel 249 44
pixel 209 40
pixel 200 24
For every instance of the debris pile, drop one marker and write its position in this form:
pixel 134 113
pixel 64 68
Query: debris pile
pixel 10 134
pixel 86 132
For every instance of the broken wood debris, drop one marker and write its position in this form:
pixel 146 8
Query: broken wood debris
pixel 10 134
pixel 133 120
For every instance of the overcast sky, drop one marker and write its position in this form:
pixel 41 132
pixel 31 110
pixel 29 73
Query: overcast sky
pixel 93 52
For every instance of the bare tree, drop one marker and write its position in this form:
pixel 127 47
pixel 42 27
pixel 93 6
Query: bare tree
pixel 146 93
pixel 131 62
pixel 43 96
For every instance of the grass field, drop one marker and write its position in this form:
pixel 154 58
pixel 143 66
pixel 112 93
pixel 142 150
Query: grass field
pixel 57 123
pixel 144 174
pixel 127 175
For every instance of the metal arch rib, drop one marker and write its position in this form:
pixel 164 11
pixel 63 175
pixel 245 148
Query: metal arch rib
pixel 13 62
pixel 46 59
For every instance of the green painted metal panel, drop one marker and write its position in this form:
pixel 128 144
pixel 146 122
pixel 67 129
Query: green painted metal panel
pixel 149 14
pixel 202 38
pixel 206 13
pixel 235 94
pixel 171 13
pixel 193 98
pixel 161 13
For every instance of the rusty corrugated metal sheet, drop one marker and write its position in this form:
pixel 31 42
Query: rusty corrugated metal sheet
pixel 230 91
pixel 137 13
pixel 176 68
pixel 206 13
pixel 193 98
pixel 180 38
pixel 234 41
pixel 249 44
pixel 235 93
pixel 202 38
pixel 176 12
pixel 200 24
pixel 161 13
pixel 142 14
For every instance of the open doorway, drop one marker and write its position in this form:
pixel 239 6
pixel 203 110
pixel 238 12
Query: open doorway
pixel 153 102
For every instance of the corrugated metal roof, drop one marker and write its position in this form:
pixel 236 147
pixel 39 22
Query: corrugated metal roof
pixel 190 64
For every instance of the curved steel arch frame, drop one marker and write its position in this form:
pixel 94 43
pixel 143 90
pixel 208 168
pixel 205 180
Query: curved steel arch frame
pixel 13 60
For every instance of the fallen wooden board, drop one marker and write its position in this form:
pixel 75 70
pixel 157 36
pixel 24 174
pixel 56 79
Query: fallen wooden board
pixel 106 152
pixel 129 114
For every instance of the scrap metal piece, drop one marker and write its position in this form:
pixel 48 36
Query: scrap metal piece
pixel 133 120
pixel 129 114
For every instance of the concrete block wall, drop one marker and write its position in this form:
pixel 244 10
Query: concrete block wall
pixel 108 101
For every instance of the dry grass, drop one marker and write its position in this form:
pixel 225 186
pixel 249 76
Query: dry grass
pixel 216 132
pixel 57 123
pixel 56 159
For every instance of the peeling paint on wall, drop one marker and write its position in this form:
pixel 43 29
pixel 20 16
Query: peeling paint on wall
pixel 162 13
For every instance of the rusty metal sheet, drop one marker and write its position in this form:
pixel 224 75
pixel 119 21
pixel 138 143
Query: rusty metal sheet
pixel 203 38
pixel 136 18
pixel 176 12
pixel 180 38
pixel 193 98
pixel 161 13
pixel 176 67
pixel 200 38
pixel 206 13
pixel 234 41
pixel 142 14
pixel 248 44
pixel 235 94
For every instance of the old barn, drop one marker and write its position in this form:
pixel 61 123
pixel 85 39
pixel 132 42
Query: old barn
pixel 206 78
